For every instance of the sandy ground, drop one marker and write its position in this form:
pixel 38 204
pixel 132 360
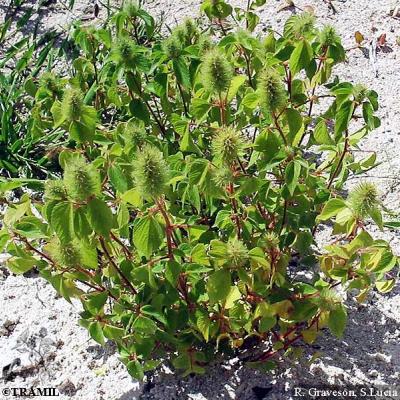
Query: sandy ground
pixel 40 329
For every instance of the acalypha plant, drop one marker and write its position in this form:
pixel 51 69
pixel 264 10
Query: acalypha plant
pixel 197 170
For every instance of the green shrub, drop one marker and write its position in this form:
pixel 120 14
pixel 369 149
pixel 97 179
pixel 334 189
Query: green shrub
pixel 202 169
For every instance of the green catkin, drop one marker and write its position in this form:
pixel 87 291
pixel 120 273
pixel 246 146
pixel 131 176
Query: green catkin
pixel 270 241
pixel 227 145
pixel 150 172
pixel 191 28
pixel 223 176
pixel 72 104
pixel 328 36
pixel 131 8
pixel 134 134
pixel 49 82
pixel 359 92
pixel 363 199
pixel 81 180
pixel 66 254
pixel 54 190
pixel 237 253
pixel 205 44
pixel 300 25
pixel 127 53
pixel 216 72
pixel 271 90
pixel 329 300
pixel 172 47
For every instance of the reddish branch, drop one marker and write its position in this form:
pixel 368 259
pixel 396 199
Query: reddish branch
pixel 113 263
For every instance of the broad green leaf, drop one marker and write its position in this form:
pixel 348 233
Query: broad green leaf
pixel 95 302
pixel 219 285
pixel 20 265
pixel 118 178
pixel 188 145
pixel 203 324
pixel 148 235
pixel 199 255
pixel 296 127
pixel 343 117
pixel 100 217
pixel 62 221
pixel 250 101
pixel 182 72
pixel 135 369
pixel 144 325
pixel 233 296
pixel 96 332
pixel 337 321
pixel 332 208
pixel 292 174
pixel 236 83
pixel 300 57
pixel 376 214
pixel 385 286
pixel 321 133
pixel 199 108
pixel 112 332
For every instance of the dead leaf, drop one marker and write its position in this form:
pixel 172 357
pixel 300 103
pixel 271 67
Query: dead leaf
pixel 382 40
pixel 96 10
pixel 359 37
pixel 309 9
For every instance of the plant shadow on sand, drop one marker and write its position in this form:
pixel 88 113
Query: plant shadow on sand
pixel 370 344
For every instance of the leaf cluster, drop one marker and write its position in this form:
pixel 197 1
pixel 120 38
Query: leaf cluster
pixel 194 184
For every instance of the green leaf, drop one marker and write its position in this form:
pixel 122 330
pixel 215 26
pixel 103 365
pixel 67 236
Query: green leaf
pixel 203 324
pixel 182 72
pixel 187 144
pixel 144 325
pixel 233 296
pixel 112 332
pixel 62 221
pixel 147 235
pixel 100 217
pixel 250 101
pixel 118 178
pixel 332 208
pixel 153 312
pixel 337 321
pixel 80 132
pixel 300 57
pixel 303 242
pixel 292 174
pixel 296 127
pixel 321 133
pixel 258 258
pixel 132 196
pixel 199 255
pixel 96 332
pixel 95 302
pixel 20 265
pixel 266 324
pixel 135 369
pixel 343 117
pixel 199 109
pixel 385 286
pixel 376 215
pixel 219 285
pixel 236 83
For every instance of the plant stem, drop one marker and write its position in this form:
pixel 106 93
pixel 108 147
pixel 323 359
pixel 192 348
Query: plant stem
pixel 278 127
pixel 337 169
pixel 284 216
pixel 168 227
pixel 113 263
